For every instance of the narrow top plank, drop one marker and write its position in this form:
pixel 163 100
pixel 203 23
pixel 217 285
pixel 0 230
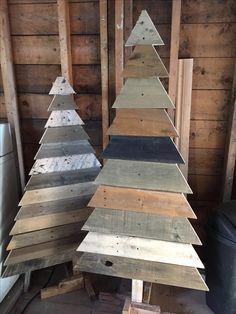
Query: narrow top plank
pixel 143 148
pixel 143 93
pixel 144 32
pixel 145 175
pixel 61 87
pixel 62 102
pixel 141 249
pixel 63 118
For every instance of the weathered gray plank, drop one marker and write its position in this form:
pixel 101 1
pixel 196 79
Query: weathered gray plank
pixel 62 102
pixel 153 226
pixel 145 175
pixel 167 274
pixel 63 118
pixel 61 87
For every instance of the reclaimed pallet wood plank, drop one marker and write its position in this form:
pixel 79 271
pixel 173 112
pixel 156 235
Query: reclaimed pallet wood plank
pixel 49 221
pixel 143 93
pixel 142 148
pixel 142 122
pixel 61 86
pixel 162 273
pixel 57 193
pixel 141 249
pixel 144 175
pixel 137 200
pixel 62 102
pixel 144 62
pixel 63 118
pixel 143 225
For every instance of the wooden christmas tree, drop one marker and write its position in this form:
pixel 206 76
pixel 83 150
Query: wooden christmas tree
pixel 53 207
pixel 139 228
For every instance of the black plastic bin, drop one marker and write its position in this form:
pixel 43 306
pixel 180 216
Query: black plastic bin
pixel 221 259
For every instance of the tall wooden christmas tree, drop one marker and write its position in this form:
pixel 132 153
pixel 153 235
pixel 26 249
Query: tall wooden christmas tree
pixel 53 207
pixel 139 228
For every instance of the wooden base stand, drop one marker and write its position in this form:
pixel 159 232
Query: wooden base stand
pixel 140 308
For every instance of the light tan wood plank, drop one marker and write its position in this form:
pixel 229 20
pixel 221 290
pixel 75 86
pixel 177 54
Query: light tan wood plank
pixel 65 134
pixel 62 102
pixel 63 118
pixel 163 203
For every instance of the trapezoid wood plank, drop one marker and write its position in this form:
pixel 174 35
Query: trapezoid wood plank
pixel 61 87
pixel 67 163
pixel 144 32
pixel 143 175
pixel 63 118
pixel 48 180
pixel 143 93
pixel 43 250
pixel 162 273
pixel 64 149
pixel 143 148
pixel 53 207
pixel 64 134
pixel 57 193
pixel 137 200
pixel 141 249
pixel 44 235
pixel 62 102
pixel 142 122
pixel 143 225
pixel 144 62
pixel 49 221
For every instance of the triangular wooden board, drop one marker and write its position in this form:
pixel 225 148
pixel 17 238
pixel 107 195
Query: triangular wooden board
pixel 143 225
pixel 64 149
pixel 142 122
pixel 143 148
pixel 63 118
pixel 141 249
pixel 49 221
pixel 45 235
pixel 57 193
pixel 144 32
pixel 144 62
pixel 62 102
pixel 65 178
pixel 61 87
pixel 163 203
pixel 53 207
pixel 64 134
pixel 67 163
pixel 167 274
pixel 144 175
pixel 143 93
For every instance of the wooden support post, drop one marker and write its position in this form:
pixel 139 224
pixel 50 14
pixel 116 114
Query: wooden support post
pixel 104 69
pixel 64 39
pixel 137 290
pixel 183 110
pixel 174 52
pixel 119 38
pixel 131 307
pixel 27 279
pixel 9 87
pixel 128 25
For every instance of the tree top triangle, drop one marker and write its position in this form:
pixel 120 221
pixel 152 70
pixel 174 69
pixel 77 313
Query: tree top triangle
pixel 144 32
pixel 61 87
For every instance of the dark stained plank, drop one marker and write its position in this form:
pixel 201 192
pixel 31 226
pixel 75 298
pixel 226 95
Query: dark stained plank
pixel 143 148
pixel 153 226
pixel 65 134
pixel 145 175
pixel 155 272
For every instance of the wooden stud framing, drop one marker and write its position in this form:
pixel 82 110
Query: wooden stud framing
pixel 9 86
pixel 128 26
pixel 119 37
pixel 64 39
pixel 104 69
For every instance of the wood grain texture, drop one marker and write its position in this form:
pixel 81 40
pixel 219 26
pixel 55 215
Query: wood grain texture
pixel 141 249
pixel 163 203
pixel 144 62
pixel 57 193
pixel 143 225
pixel 142 148
pixel 142 122
pixel 61 86
pixel 143 93
pixel 65 134
pixel 62 102
pixel 167 274
pixel 145 175
pixel 63 118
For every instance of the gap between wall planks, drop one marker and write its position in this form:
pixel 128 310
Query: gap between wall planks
pixel 64 39
pixel 119 44
pixel 9 87
pixel 104 69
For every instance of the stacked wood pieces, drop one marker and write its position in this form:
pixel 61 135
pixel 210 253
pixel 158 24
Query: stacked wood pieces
pixel 139 228
pixel 53 209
